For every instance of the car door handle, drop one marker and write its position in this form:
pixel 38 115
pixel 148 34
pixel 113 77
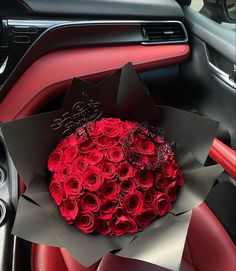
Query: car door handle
pixel 228 79
pixel 222 75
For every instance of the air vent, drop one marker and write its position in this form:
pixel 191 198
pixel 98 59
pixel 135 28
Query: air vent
pixel 164 32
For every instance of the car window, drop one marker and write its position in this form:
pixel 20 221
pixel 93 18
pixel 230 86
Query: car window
pixel 216 13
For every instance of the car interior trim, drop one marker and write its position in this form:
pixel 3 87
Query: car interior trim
pixel 54 35
pixel 84 62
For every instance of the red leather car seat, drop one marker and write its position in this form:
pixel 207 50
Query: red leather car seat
pixel 207 248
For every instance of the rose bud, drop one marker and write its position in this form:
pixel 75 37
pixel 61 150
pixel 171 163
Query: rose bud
pixel 161 182
pixel 86 145
pixel 71 153
pixel 73 186
pixel 85 222
pixel 104 142
pixel 146 179
pixel 111 130
pixel 111 121
pixel 145 146
pixel 129 185
pixel 125 171
pixel 116 154
pixel 133 203
pixel 90 202
pixel 103 226
pixel 57 192
pixel 149 196
pixel 95 157
pixel 108 170
pixel 161 204
pixel 146 217
pixel 93 178
pixel 110 206
pixel 63 171
pixel 69 209
pixel 80 164
pixel 54 160
pixel 124 224
pixel 110 189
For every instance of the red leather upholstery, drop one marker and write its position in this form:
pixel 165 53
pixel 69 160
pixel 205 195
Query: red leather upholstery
pixel 207 248
pixel 224 156
pixel 51 74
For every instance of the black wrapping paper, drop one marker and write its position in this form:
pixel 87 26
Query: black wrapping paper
pixel 31 140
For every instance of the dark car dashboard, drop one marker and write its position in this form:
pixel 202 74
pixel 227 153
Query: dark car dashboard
pixel 29 29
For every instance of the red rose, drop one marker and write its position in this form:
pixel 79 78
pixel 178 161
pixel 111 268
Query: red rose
pixel 161 204
pixel 54 159
pixel 69 209
pixel 90 202
pixel 161 182
pixel 146 217
pixel 94 129
pixel 104 142
pixel 145 147
pixel 80 164
pixel 103 226
pixel 171 190
pixel 129 185
pixel 63 171
pixel 95 157
pixel 57 192
pixel 73 140
pixel 110 206
pixel 179 178
pixel 125 171
pixel 108 170
pixel 124 224
pixel 85 222
pixel 70 153
pixel 86 145
pixel 111 130
pixel 146 180
pixel 116 154
pixel 73 186
pixel 168 169
pixel 93 178
pixel 128 126
pixel 133 203
pixel 63 144
pixel 149 196
pixel 112 121
pixel 110 189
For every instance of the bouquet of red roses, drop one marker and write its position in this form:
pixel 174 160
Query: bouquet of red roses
pixel 112 163
pixel 115 179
